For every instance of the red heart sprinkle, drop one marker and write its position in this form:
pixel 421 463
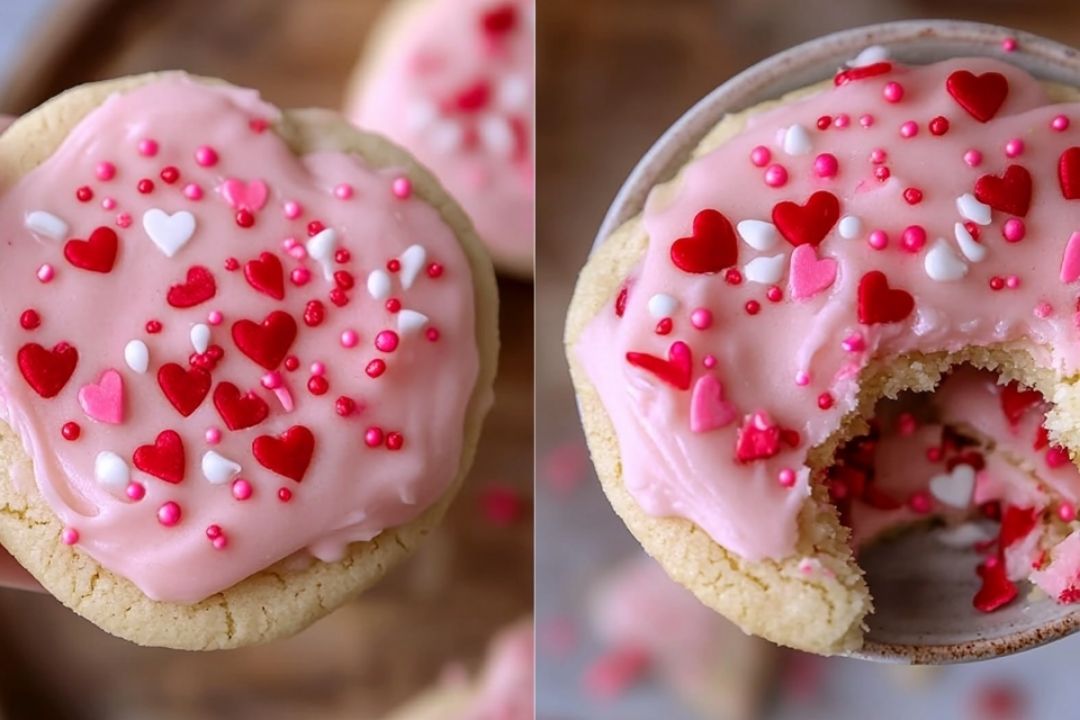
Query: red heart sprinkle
pixel 185 389
pixel 198 288
pixel 878 303
pixel 1016 523
pixel 164 459
pixel 1015 402
pixel 97 254
pixel 982 95
pixel 267 343
pixel 675 371
pixel 47 371
pixel 1069 173
pixel 997 590
pixel 710 248
pixel 266 275
pixel 807 224
pixel 239 411
pixel 861 73
pixel 500 19
pixel 758 438
pixel 289 454
pixel 1010 193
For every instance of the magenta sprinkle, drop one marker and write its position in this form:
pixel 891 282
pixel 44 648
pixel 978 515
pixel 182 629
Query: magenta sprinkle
pixel 893 92
pixel 1014 147
pixel 386 341
pixel 1060 123
pixel 69 536
pixel 148 148
pixel 1014 230
pixel 701 318
pixel 344 191
pixel 786 477
pixel 293 210
pixel 193 192
pixel 135 491
pixel 206 156
pixel 402 188
pixel 914 238
pixel 776 176
pixel 909 129
pixel 760 156
pixel 169 514
pixel 826 165
pixel 241 489
pixel 878 240
pixel 973 158
pixel 105 171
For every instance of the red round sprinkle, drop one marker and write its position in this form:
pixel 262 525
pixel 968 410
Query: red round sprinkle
pixel 913 196
pixel 317 385
pixel 314 313
pixel 882 173
pixel 145 186
pixel 825 401
pixel 84 194
pixel 314 228
pixel 342 256
pixel 393 265
pixel 664 326
pixel 344 279
pixel 373 437
pixel 284 494
pixel 394 441
pixel 386 341
pixel 934 454
pixel 29 319
pixel 215 352
pixel 169 175
pixel 434 270
pixel 213 531
pixel 972 229
pixel 153 327
pixel 344 406
pixel 774 294
pixel 752 307
pixel 71 431
pixel 824 122
pixel 432 334
pixel 291 363
pixel 393 305
pixel 232 264
pixel 375 368
pixel 996 282
pixel 939 126
pixel 339 297
pixel 244 218
pixel 732 277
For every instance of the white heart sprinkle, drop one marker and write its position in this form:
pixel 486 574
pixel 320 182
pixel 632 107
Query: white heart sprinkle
pixel 662 306
pixel 378 284
pixel 955 488
pixel 971 248
pixel 47 224
pixel 963 536
pixel 137 356
pixel 869 56
pixel 971 209
pixel 766 270
pixel 497 136
pixel 412 262
pixel 420 114
pixel 797 141
pixel 111 470
pixel 169 232
pixel 758 234
pixel 850 227
pixel 446 136
pixel 200 337
pixel 218 469
pixel 942 264
pixel 321 247
pixel 410 321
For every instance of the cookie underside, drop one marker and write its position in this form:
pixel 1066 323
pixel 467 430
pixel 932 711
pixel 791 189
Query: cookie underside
pixel 281 599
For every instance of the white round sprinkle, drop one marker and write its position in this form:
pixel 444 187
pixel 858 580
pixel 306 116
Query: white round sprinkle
pixel 850 227
pixel 378 284
pixel 662 306
pixel 797 141
pixel 497 136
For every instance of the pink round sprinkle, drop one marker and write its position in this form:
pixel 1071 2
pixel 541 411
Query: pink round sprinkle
pixel 386 341
pixel 105 171
pixel 213 436
pixel 907 424
pixel 349 338
pixel 1009 44
pixel 135 491
pixel 193 192
pixel 169 514
pixel 1014 147
pixel 108 204
pixel 124 220
pixel 318 369
pixel 893 92
pixel 293 210
pixel 1056 457
pixel 760 156
pixel 973 158
pixel 920 502
pixel 220 542
pixel 825 165
pixel 802 378
pixel 914 238
pixel 373 437
pixel 909 129
pixel 241 489
pixel 1044 310
pixel 1012 281
pixel 300 276
pixel 1066 511
pixel 878 240
pixel 786 477
pixel 842 120
pixel 46 273
pixel 69 536
pixel 1060 123
pixel 289 243
pixel 344 191
pixel 701 318
pixel 148 147
pixel 402 188
pixel 1014 230
pixel 206 156
pixel 866 120
pixel 272 380
pixel 710 361
pixel 215 317
pixel 853 343
pixel 776 176
pixel 878 156
pixel 298 252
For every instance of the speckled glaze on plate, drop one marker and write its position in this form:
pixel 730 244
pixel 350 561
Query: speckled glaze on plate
pixel 923 610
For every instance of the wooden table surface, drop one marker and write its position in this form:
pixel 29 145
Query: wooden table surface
pixel 470 578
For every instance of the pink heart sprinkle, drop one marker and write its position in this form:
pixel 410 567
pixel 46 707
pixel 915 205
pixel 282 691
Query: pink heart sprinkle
pixel 245 195
pixel 708 408
pixel 1070 262
pixel 809 275
pixel 104 401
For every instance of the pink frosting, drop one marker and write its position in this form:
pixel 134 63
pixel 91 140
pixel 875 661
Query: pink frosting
pixel 793 364
pixel 506 688
pixel 456 87
pixel 182 532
